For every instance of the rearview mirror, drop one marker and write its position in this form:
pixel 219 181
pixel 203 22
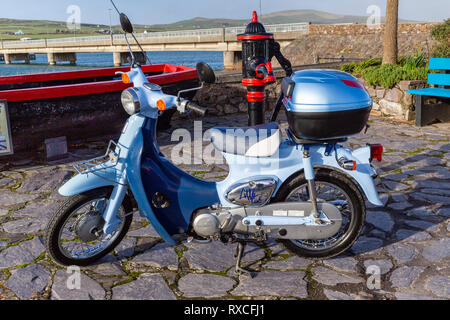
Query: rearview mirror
pixel 125 23
pixel 205 73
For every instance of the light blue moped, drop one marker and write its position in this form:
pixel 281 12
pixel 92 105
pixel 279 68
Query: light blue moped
pixel 307 194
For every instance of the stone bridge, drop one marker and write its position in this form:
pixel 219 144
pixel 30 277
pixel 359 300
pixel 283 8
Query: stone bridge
pixel 218 39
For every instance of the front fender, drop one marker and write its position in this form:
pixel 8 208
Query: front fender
pixel 85 182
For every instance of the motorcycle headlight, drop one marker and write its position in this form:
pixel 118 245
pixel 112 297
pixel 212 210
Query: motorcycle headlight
pixel 130 101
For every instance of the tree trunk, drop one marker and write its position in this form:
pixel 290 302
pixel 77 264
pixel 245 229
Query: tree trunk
pixel 390 50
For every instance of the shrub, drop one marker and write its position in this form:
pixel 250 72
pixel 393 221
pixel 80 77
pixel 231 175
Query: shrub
pixel 389 75
pixel 412 67
pixel 441 33
pixel 358 68
pixel 370 63
pixel 348 67
pixel 441 51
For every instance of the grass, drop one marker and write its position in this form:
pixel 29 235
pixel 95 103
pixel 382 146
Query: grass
pixel 43 29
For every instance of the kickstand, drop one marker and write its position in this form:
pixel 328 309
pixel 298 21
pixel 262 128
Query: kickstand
pixel 238 255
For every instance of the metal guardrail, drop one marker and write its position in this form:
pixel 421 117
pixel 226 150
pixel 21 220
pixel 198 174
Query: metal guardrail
pixel 318 59
pixel 277 28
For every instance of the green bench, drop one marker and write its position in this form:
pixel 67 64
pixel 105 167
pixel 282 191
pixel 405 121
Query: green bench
pixel 425 114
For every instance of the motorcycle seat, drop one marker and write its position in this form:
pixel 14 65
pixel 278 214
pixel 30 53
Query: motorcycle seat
pixel 258 141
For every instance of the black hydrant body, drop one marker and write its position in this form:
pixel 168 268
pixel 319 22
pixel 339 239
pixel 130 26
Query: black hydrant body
pixel 257 70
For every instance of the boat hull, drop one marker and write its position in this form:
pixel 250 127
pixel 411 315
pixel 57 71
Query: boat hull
pixel 79 108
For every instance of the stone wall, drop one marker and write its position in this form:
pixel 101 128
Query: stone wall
pixel 355 28
pixel 356 41
pixel 395 102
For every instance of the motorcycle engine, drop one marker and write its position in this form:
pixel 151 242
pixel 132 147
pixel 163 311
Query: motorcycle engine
pixel 212 223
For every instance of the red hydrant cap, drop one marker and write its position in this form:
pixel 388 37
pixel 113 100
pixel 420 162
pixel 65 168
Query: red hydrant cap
pixel 255 30
pixel 255 17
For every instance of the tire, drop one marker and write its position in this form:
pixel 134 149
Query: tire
pixel 64 214
pixel 350 232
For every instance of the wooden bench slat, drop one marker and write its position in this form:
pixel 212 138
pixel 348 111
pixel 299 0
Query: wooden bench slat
pixel 440 79
pixel 439 64
pixel 433 112
pixel 432 92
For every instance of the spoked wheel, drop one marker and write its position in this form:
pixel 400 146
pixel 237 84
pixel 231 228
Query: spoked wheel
pixel 74 235
pixel 335 188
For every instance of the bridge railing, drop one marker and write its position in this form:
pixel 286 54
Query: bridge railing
pixel 24 43
pixel 79 39
pixel 177 34
pixel 277 28
pixel 273 28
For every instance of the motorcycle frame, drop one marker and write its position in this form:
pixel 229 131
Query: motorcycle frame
pixel 143 170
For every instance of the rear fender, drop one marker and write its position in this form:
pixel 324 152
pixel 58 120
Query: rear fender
pixel 363 173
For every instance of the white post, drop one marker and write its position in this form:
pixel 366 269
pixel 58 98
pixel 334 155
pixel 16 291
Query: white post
pixel 117 59
pixel 51 58
pixel 229 58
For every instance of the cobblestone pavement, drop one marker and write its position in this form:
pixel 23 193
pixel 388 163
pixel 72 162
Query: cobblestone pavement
pixel 407 238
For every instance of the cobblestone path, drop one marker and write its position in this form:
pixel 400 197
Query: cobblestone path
pixel 408 238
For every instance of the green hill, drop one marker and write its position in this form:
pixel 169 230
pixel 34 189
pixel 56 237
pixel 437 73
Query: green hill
pixel 38 29
pixel 290 16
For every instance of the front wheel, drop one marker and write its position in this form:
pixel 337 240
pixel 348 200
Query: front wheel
pixel 74 235
pixel 332 187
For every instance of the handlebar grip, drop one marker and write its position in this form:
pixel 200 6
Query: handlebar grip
pixel 197 109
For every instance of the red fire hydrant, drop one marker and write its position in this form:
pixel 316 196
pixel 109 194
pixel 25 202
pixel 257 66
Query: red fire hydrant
pixel 257 52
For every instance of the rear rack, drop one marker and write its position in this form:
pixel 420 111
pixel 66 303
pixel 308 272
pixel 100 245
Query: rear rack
pixel 94 165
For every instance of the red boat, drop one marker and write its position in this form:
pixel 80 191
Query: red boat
pixel 79 104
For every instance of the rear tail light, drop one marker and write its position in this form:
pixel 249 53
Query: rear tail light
pixel 376 152
pixel 354 83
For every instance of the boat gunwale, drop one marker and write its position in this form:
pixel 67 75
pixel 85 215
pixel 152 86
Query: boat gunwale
pixel 171 74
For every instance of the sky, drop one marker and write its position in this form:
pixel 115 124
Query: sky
pixel 150 12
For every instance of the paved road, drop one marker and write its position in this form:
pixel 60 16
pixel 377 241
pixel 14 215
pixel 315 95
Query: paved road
pixel 407 239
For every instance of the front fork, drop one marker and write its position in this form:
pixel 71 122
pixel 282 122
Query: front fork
pixel 112 219
pixel 309 175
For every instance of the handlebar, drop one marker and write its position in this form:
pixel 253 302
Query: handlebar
pixel 197 109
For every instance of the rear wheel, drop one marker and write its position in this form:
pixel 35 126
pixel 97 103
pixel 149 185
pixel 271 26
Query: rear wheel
pixel 332 187
pixel 74 235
